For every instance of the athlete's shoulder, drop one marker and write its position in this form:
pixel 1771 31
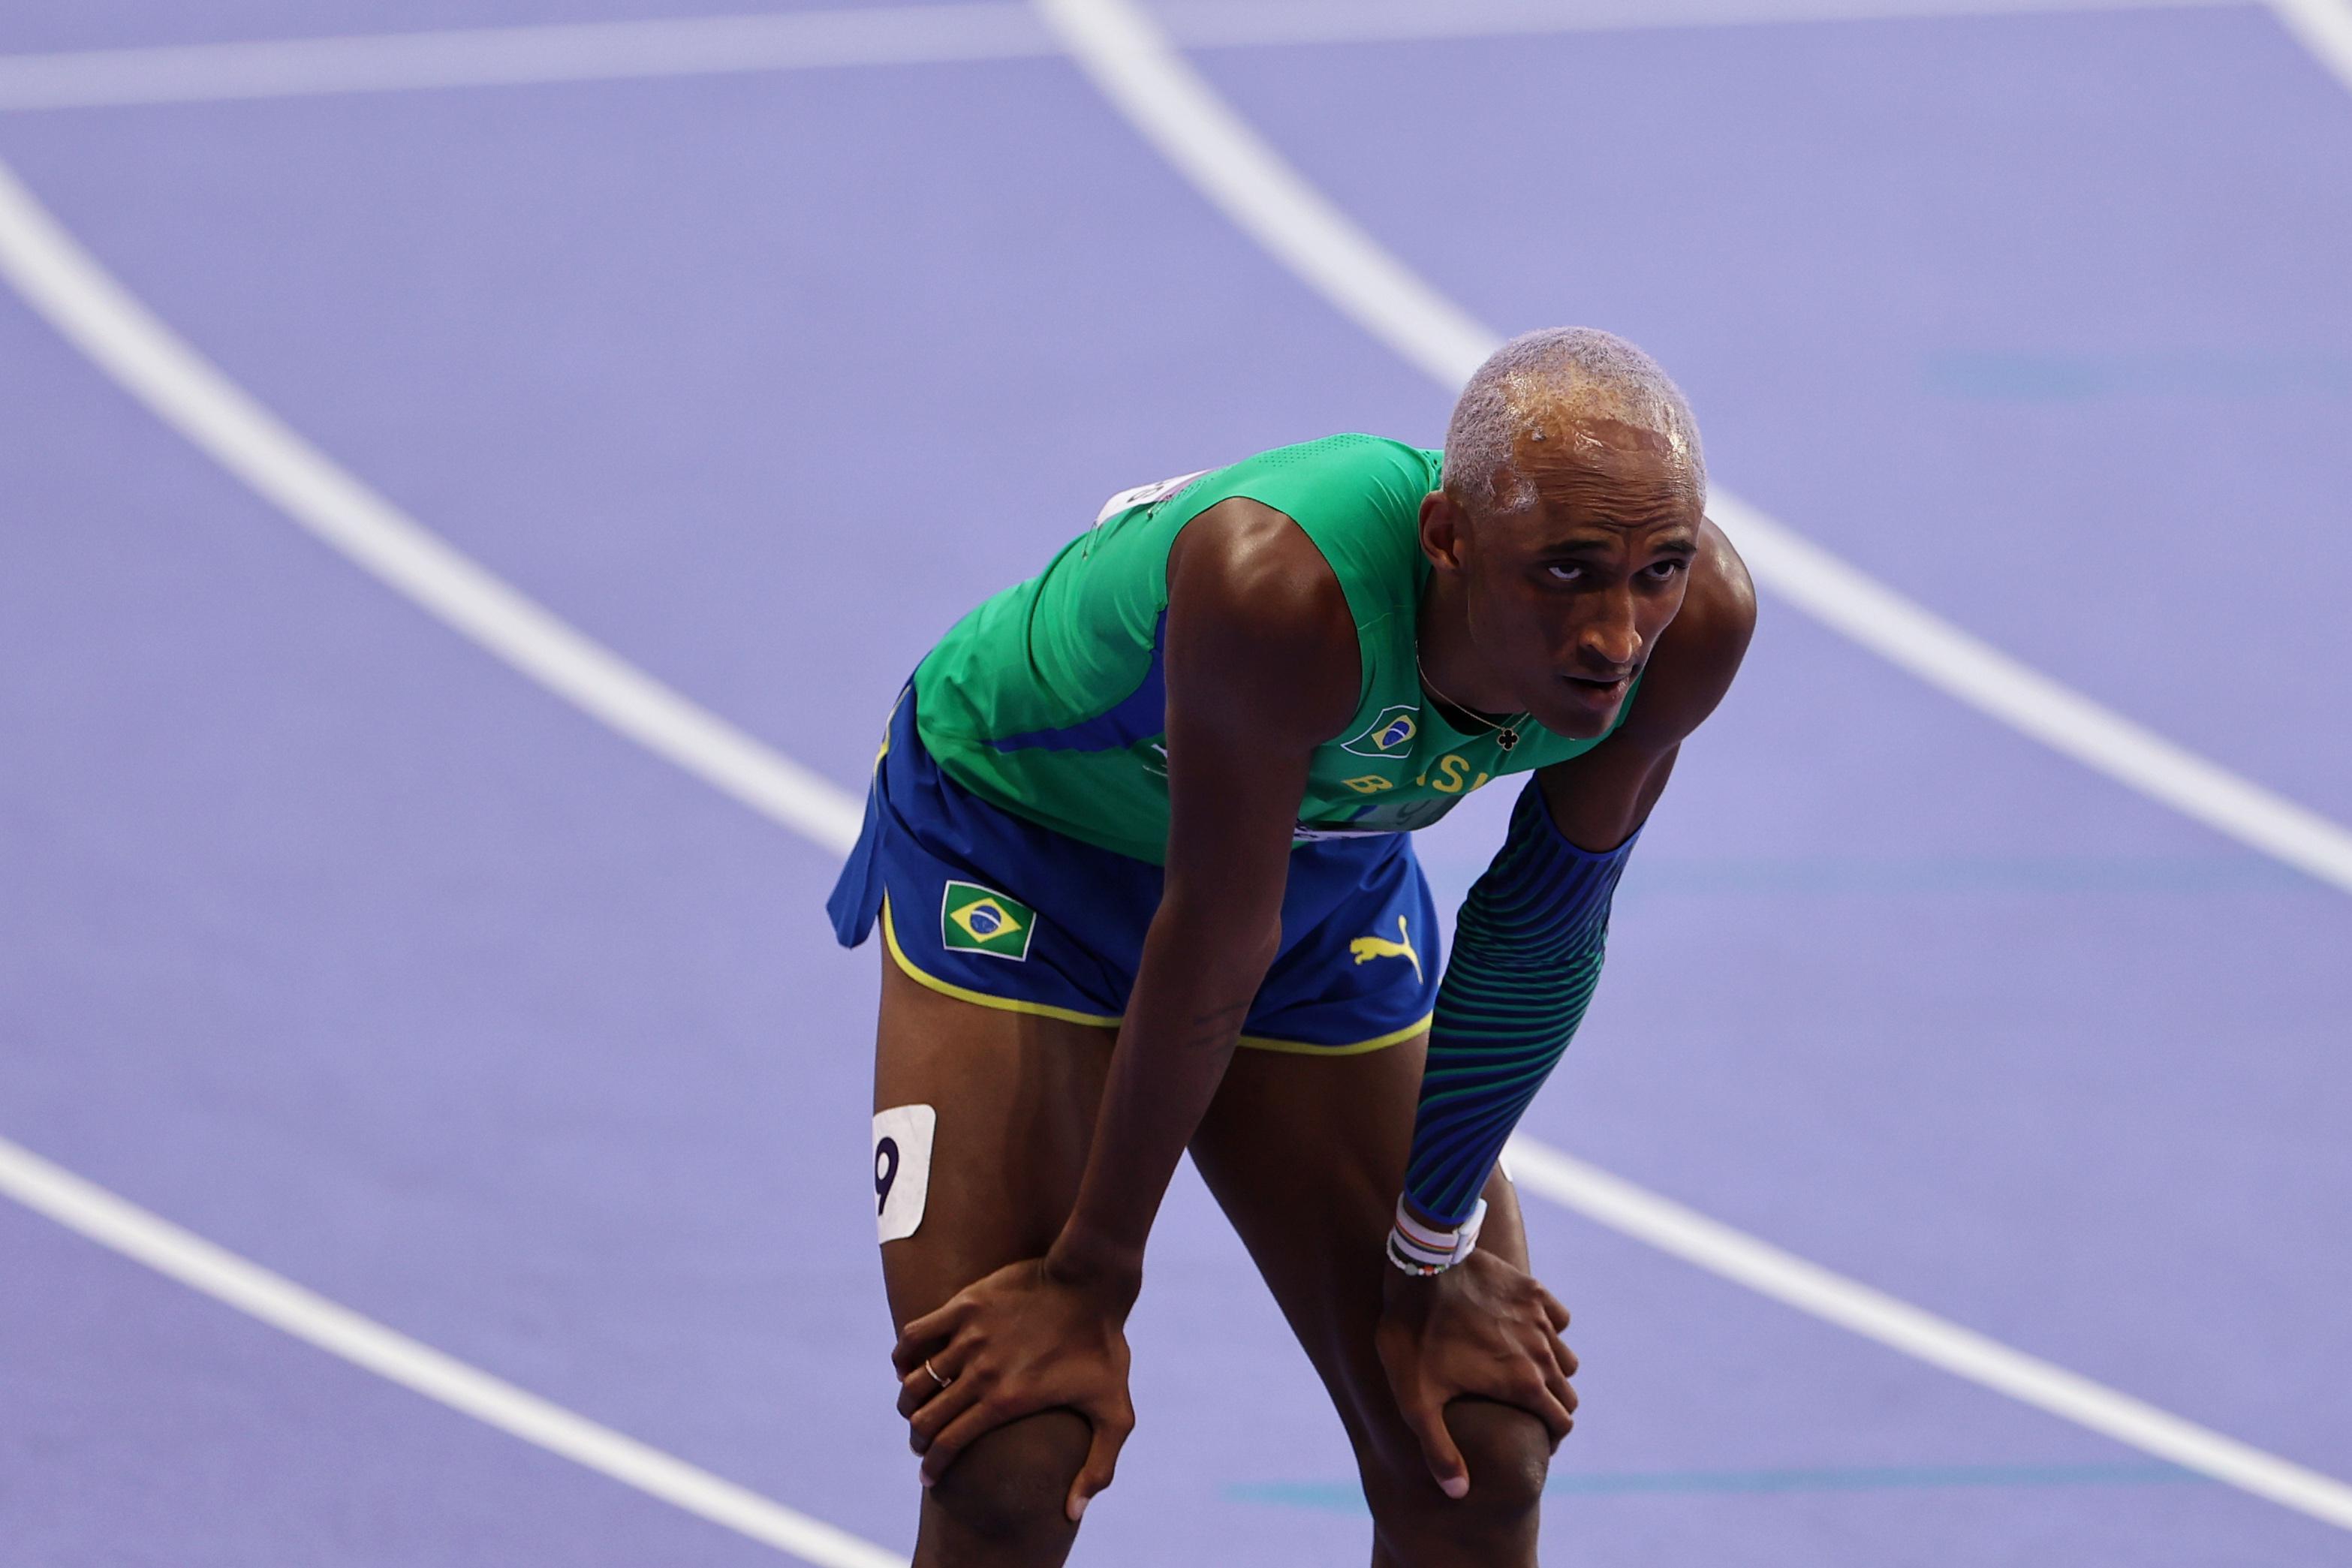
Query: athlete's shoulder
pixel 1721 601
pixel 1258 620
pixel 1243 560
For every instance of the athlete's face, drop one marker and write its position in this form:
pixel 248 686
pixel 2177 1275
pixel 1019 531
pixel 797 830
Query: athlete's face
pixel 1567 598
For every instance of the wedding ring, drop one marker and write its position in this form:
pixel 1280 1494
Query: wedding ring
pixel 934 1370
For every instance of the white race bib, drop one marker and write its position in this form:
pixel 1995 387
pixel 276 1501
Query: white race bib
pixel 902 1168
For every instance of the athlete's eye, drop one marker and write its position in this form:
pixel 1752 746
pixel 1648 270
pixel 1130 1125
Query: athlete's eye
pixel 1664 570
pixel 1564 573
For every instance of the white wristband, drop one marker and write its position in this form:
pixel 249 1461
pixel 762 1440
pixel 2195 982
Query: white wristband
pixel 1420 1249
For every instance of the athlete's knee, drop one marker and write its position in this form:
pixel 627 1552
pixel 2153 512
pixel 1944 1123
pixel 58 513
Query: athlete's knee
pixel 1010 1488
pixel 1508 1453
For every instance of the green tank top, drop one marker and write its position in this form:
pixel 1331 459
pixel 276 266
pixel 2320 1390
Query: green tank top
pixel 1050 700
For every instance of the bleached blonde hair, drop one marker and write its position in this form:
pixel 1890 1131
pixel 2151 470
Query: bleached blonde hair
pixel 1540 382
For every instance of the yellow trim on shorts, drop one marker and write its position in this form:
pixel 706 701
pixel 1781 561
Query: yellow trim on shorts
pixel 1099 1021
pixel 891 723
pixel 1362 1047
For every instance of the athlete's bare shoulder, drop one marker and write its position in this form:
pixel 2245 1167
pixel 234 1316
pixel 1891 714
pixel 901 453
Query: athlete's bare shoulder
pixel 1258 626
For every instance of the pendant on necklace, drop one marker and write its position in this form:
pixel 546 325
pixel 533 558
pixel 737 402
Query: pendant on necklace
pixel 1507 738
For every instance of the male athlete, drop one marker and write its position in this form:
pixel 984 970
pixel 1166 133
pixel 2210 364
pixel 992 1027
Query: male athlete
pixel 1149 807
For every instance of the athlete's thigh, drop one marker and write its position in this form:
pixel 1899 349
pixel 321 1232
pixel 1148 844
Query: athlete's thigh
pixel 1306 1156
pixel 1014 1096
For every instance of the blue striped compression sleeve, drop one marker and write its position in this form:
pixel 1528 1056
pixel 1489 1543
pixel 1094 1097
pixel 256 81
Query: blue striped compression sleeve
pixel 1527 954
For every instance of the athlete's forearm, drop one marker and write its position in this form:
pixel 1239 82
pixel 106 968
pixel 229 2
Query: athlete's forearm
pixel 1528 951
pixel 1193 990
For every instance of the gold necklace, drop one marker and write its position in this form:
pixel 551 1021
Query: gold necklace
pixel 1507 734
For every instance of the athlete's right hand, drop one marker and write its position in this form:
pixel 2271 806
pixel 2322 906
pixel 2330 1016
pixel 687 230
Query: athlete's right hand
pixel 1019 1341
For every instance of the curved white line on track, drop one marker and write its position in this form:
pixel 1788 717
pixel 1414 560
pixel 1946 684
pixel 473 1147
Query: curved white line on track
pixel 1141 74
pixel 2322 26
pixel 505 56
pixel 62 282
pixel 66 285
pixel 116 1223
pixel 1873 1314
pixel 870 36
pixel 1140 71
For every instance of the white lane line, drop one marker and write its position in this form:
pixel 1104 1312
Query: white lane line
pixel 1139 69
pixel 66 285
pixel 1228 23
pixel 2322 26
pixel 1966 668
pixel 1637 1212
pixel 124 1226
pixel 498 56
pixel 876 36
pixel 63 283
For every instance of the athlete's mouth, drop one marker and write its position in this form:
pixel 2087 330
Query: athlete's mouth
pixel 1599 687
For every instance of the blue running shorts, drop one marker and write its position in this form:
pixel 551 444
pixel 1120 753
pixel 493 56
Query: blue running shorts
pixel 991 908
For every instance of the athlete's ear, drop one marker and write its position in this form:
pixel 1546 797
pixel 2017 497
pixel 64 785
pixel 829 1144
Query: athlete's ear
pixel 1443 527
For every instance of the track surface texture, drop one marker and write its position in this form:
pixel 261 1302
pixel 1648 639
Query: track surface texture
pixel 350 950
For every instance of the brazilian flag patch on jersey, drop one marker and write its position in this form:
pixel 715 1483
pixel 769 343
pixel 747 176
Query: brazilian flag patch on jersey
pixel 976 919
pixel 1390 735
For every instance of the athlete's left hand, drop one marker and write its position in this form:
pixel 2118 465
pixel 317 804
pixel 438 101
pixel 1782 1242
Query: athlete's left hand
pixel 1483 1328
pixel 1021 1340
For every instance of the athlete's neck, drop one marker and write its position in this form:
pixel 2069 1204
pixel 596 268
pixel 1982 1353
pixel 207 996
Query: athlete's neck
pixel 1449 659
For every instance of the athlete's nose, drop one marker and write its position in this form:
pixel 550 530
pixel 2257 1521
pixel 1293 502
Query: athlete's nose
pixel 1611 641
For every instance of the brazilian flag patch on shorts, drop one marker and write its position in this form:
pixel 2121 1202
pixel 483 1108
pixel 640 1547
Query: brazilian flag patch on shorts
pixel 976 919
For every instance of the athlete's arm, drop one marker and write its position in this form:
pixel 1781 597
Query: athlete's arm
pixel 1262 668
pixel 1528 945
pixel 1527 950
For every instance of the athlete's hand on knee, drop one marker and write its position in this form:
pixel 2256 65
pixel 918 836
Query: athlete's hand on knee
pixel 1484 1328
pixel 1016 1343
